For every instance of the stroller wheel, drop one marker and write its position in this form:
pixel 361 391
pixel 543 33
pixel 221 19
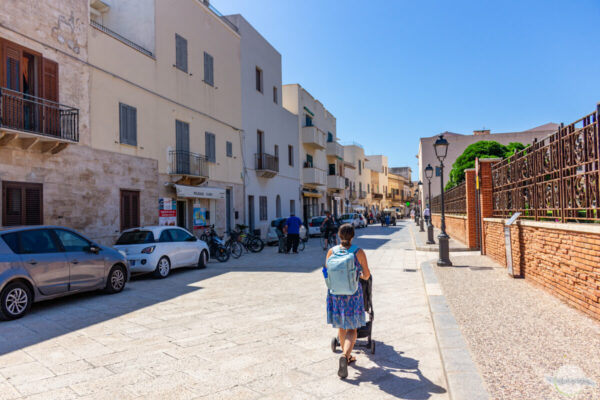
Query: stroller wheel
pixel 334 344
pixel 373 347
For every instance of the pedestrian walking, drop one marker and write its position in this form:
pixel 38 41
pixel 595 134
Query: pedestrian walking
pixel 427 214
pixel 292 228
pixel 412 213
pixel 280 229
pixel 346 312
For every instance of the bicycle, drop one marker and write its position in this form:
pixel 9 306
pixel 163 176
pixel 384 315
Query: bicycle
pixel 249 241
pixel 331 238
pixel 233 244
pixel 283 244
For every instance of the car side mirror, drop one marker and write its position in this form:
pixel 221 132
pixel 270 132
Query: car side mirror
pixel 94 249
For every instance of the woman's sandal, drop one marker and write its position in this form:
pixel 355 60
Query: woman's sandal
pixel 351 359
pixel 343 369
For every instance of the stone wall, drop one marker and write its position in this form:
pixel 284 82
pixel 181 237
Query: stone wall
pixel 82 186
pixel 456 226
pixel 564 259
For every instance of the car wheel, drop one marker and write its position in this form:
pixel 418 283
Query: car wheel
pixel 115 282
pixel 16 299
pixel 203 260
pixel 163 268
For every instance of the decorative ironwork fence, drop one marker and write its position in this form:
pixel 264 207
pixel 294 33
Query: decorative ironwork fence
pixel 455 201
pixel 556 178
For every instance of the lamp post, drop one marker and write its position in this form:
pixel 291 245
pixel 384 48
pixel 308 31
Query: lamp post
pixel 421 208
pixel 417 208
pixel 441 150
pixel 429 175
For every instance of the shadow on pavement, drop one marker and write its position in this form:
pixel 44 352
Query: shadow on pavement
pixel 396 375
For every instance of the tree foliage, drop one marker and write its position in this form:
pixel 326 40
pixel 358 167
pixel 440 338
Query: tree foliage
pixel 481 149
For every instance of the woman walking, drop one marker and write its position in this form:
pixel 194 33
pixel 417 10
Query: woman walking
pixel 347 312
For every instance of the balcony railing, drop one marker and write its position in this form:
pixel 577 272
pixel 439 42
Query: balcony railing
pixel 23 112
pixel 266 164
pixel 377 195
pixel 121 39
pixel 335 182
pixel 455 201
pixel 351 194
pixel 218 14
pixel 188 163
pixel 362 194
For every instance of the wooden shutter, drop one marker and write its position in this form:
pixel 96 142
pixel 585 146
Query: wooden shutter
pixel 130 209
pixel 210 147
pixel 22 204
pixel 50 79
pixel 181 53
pixel 208 69
pixel 132 126
pixel 12 62
pixel 123 123
pixel 33 205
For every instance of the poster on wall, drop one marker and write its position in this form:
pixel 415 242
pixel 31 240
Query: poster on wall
pixel 199 216
pixel 167 213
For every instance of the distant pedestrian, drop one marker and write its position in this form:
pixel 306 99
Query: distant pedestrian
pixel 292 228
pixel 427 214
pixel 412 213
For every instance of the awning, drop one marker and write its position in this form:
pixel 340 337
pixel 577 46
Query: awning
pixel 311 194
pixel 200 192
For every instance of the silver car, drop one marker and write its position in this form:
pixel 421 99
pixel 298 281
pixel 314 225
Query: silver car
pixel 43 262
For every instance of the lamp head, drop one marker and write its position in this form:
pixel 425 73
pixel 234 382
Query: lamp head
pixel 428 171
pixel 441 148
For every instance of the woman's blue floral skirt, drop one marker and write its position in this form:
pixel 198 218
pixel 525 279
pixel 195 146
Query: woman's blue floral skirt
pixel 346 312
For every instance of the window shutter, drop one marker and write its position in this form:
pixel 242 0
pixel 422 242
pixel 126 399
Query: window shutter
pixel 181 53
pixel 122 123
pixel 132 126
pixel 33 206
pixel 208 69
pixel 210 147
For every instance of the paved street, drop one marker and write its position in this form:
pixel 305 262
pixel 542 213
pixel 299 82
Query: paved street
pixel 250 328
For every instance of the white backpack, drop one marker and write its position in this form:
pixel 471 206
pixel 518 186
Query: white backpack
pixel 342 274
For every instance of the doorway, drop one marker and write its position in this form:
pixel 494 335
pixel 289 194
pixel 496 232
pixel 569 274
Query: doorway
pixel 251 213
pixel 228 210
pixel 181 213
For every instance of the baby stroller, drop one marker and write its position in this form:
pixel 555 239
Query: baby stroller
pixel 363 331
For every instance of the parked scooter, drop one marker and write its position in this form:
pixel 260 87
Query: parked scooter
pixel 216 245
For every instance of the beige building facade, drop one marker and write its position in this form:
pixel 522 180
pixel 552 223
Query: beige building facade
pixel 378 166
pixel 359 178
pixel 50 170
pixel 170 91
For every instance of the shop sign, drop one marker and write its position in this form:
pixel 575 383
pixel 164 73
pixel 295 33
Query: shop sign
pixel 199 216
pixel 200 192
pixel 167 212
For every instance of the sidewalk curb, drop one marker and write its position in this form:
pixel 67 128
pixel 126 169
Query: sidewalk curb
pixel 464 380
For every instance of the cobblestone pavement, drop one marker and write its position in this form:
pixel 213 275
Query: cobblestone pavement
pixel 519 335
pixel 247 329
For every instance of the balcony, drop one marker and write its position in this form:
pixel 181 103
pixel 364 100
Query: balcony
pixel 313 137
pixel 314 176
pixel 266 165
pixel 334 149
pixel 336 182
pixel 362 195
pixel 188 168
pixel 377 196
pixel 351 194
pixel 35 121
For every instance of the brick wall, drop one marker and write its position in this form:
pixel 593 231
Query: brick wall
pixel 456 226
pixel 564 259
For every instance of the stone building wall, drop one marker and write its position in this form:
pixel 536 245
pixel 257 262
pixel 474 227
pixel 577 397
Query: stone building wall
pixel 456 226
pixel 81 186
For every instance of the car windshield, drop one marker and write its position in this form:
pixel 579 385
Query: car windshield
pixel 136 237
pixel 347 216
pixel 276 222
pixel 318 221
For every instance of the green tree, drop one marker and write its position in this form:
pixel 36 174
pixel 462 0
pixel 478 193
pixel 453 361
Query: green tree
pixel 481 149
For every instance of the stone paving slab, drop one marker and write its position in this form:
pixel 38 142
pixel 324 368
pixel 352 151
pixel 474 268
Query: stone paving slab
pixel 252 328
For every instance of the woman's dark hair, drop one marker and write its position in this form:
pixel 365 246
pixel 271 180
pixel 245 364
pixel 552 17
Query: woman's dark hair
pixel 346 234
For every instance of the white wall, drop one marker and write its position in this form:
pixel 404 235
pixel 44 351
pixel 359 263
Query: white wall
pixel 280 127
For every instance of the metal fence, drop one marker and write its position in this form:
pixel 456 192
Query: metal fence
pixel 264 161
pixel 187 163
pixel 23 112
pixel 556 178
pixel 121 38
pixel 455 201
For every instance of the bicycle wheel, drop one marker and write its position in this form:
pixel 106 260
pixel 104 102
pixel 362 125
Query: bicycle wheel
pixel 256 245
pixel 236 249
pixel 332 241
pixel 222 254
pixel 301 245
pixel 323 242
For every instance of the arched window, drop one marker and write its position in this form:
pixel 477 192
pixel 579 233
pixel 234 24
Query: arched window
pixel 278 207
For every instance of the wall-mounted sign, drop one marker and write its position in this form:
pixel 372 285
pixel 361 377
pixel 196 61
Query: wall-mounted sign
pixel 199 216
pixel 167 212
pixel 200 192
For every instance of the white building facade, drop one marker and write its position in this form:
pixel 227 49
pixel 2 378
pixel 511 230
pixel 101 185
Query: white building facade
pixel 271 134
pixel 359 178
pixel 322 181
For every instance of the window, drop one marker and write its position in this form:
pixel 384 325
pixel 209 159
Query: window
pixel 179 235
pixel 275 98
pixel 278 207
pixel 211 154
pixel 262 203
pixel 329 137
pixel 309 161
pixel 291 156
pixel 22 203
pixel 209 76
pixel 292 207
pixel 181 56
pixel 368 188
pixel 259 79
pixel 359 167
pixel 165 236
pixel 438 171
pixel 12 240
pixel 130 209
pixel 260 142
pixel 276 149
pixel 331 169
pixel 229 150
pixel 127 124
pixel 38 241
pixel 308 120
pixel 72 242
pixel 360 187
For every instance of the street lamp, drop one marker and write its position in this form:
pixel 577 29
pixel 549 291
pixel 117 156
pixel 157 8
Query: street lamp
pixel 421 209
pixel 441 150
pixel 429 175
pixel 417 209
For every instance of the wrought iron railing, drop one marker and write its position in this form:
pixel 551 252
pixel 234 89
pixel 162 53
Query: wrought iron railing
pixel 377 195
pixel 188 163
pixel 455 201
pixel 264 161
pixel 120 38
pixel 556 178
pixel 362 194
pixel 23 112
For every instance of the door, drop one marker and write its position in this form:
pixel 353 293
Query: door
pixel 251 213
pixel 228 209
pixel 182 147
pixel 47 265
pixel 12 107
pixel 181 213
pixel 260 148
pixel 169 247
pixel 86 269
pixel 186 246
pixel 51 116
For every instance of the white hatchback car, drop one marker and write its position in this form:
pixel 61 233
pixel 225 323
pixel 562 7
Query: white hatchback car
pixel 272 237
pixel 352 219
pixel 314 225
pixel 159 249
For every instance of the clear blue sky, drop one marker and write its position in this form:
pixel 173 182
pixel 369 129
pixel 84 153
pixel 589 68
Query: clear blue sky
pixel 393 71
